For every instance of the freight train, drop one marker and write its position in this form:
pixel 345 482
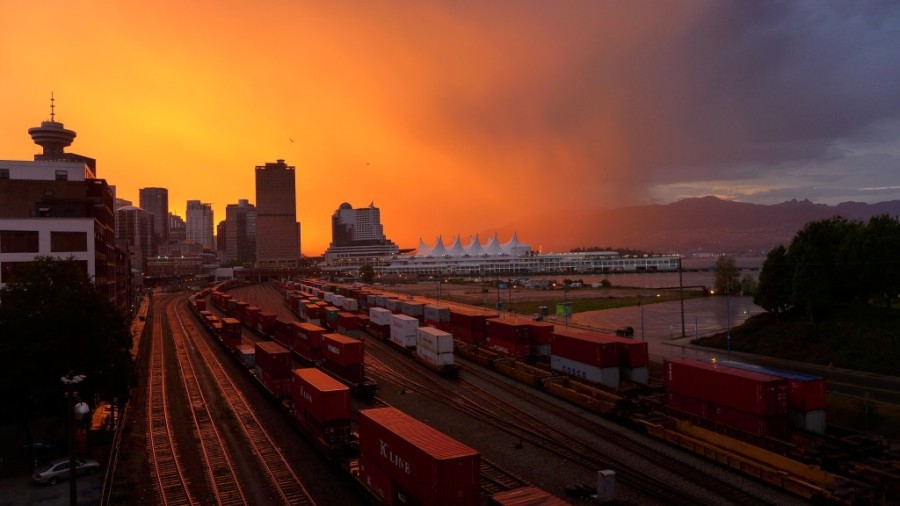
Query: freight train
pixel 781 414
pixel 393 458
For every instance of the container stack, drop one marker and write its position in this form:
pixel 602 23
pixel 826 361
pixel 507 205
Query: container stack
pixel 266 322
pixel 468 326
pixel 403 330
pixel 507 337
pixel 273 367
pixel 313 314
pixel 434 346
pixel 251 316
pixel 403 461
pixel 231 332
pixel 540 335
pixel 330 317
pixel 308 340
pixel 806 395
pixel 392 304
pixel 343 356
pixel 747 401
pixel 414 309
pixel 247 354
pixel 347 323
pixel 588 355
pixel 380 321
pixel 438 317
pixel 322 405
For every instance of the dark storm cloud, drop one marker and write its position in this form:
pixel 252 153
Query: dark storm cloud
pixel 722 90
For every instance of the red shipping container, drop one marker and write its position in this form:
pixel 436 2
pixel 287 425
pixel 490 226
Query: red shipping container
pixel 283 333
pixel 508 347
pixel 231 331
pixel 321 396
pixel 429 466
pixel 347 320
pixel 266 323
pixel 776 426
pixel 632 353
pixel 308 333
pixel 273 358
pixel 586 347
pixel 687 404
pixel 342 350
pixel 240 307
pixel 510 331
pixel 746 391
pixel 279 386
pixel 378 483
pixel 445 326
pixel 251 315
pixel 807 395
pixel 540 333
pixel 200 304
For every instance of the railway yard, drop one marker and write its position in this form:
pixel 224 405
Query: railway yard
pixel 206 431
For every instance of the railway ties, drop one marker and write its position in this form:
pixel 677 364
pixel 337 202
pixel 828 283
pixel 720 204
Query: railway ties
pixel 279 473
pixel 495 479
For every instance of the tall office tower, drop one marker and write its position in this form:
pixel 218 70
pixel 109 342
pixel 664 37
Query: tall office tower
pixel 177 228
pixel 277 230
pixel 240 232
pixel 221 238
pixel 357 237
pixel 156 202
pixel 134 232
pixel 200 223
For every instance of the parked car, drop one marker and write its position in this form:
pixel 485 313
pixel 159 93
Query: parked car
pixel 59 470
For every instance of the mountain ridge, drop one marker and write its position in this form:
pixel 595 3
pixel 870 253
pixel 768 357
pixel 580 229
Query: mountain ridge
pixel 700 224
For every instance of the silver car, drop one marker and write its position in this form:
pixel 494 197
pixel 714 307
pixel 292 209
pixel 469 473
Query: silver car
pixel 59 470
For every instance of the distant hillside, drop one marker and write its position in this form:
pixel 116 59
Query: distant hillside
pixel 698 224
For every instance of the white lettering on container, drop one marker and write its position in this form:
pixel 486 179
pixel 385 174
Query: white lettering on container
pixel 393 458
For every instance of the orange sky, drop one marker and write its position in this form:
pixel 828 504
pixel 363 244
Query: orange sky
pixel 453 117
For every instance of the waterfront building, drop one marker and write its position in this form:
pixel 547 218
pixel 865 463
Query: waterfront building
pixel 357 238
pixel 277 229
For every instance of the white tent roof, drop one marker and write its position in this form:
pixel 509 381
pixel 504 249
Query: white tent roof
pixel 456 249
pixel 439 249
pixel 493 247
pixel 474 248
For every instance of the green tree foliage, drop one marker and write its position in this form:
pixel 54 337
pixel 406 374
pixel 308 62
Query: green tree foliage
pixel 833 261
pixel 727 279
pixel 880 253
pixel 773 292
pixel 53 321
pixel 367 273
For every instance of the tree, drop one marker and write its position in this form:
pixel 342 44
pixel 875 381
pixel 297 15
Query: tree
pixel 727 280
pixel 823 261
pixel 53 321
pixel 367 273
pixel 879 247
pixel 773 293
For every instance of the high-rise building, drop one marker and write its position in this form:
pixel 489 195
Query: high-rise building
pixel 357 237
pixel 200 223
pixel 177 228
pixel 56 206
pixel 156 202
pixel 240 232
pixel 134 234
pixel 221 238
pixel 277 230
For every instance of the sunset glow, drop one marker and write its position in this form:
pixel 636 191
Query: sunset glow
pixel 461 117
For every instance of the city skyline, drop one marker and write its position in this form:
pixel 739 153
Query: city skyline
pixel 463 118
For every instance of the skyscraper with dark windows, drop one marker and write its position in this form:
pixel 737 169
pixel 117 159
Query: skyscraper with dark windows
pixel 240 232
pixel 277 229
pixel 200 224
pixel 156 202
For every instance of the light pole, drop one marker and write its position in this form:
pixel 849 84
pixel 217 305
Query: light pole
pixel 727 322
pixel 641 306
pixel 73 412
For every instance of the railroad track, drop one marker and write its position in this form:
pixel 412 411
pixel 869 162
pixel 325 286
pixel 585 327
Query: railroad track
pixel 220 474
pixel 472 400
pixel 287 485
pixel 170 482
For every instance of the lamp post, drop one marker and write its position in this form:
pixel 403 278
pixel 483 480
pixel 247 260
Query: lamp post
pixel 727 322
pixel 73 412
pixel 641 306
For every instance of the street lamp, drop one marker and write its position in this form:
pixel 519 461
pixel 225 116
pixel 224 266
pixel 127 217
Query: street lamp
pixel 641 306
pixel 74 412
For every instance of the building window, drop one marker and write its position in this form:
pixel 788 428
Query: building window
pixel 19 241
pixel 68 241
pixel 62 175
pixel 4 173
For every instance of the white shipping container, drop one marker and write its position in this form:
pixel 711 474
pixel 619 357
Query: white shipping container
pixel 380 315
pixel 392 304
pixel 435 358
pixel 608 376
pixel 351 304
pixel 403 330
pixel 338 301
pixel 329 297
pixel 435 340
pixel 248 355
pixel 437 313
pixel 379 300
pixel 813 421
